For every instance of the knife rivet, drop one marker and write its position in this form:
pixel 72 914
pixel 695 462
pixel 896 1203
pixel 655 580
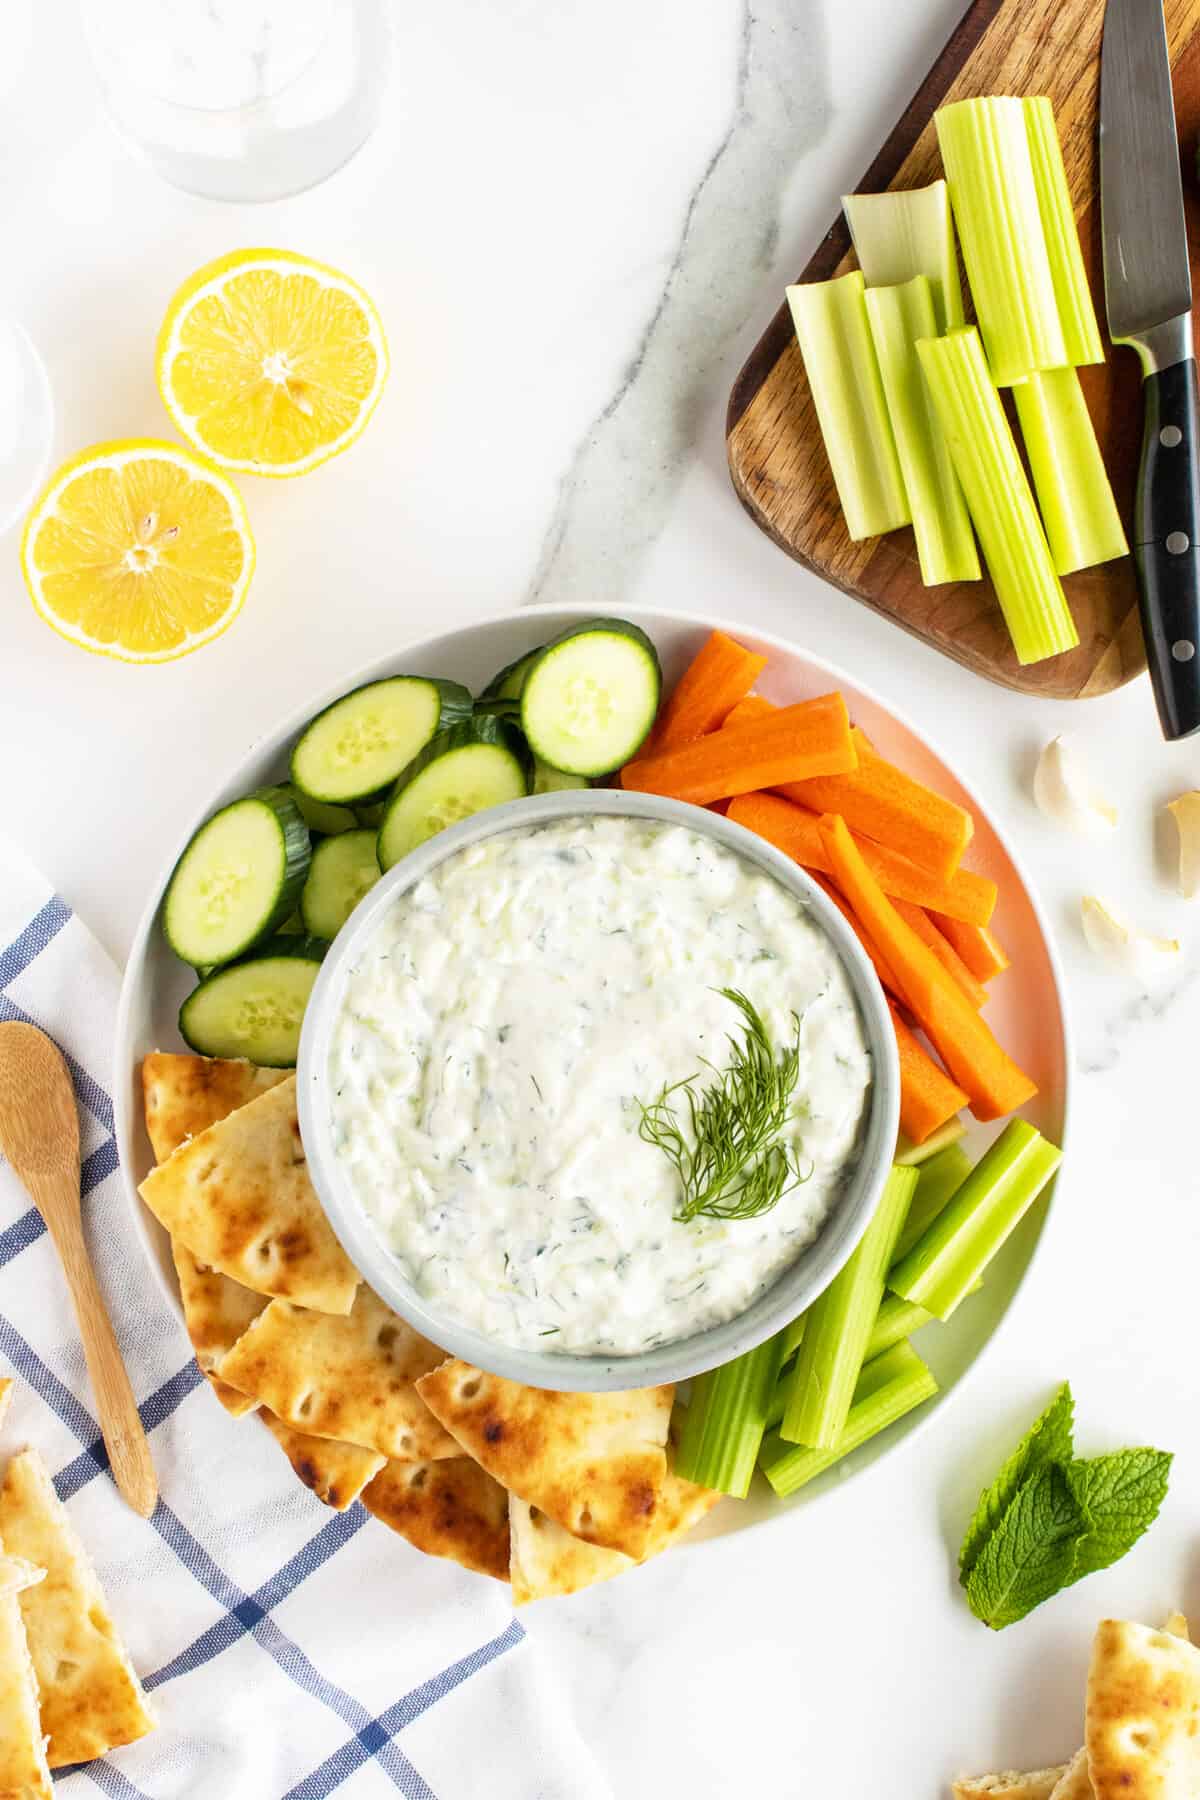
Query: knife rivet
pixel 1178 542
pixel 1169 436
pixel 1183 650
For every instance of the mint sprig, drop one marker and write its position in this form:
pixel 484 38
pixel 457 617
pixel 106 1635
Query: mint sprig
pixel 1050 1518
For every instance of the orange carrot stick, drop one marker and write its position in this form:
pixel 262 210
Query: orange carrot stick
pixel 752 707
pixel 993 1082
pixel 928 1097
pixel 979 950
pixel 943 949
pixel 886 978
pixel 718 676
pixel 794 830
pixel 880 801
pixel 810 738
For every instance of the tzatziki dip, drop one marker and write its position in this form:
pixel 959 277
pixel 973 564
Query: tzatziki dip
pixel 495 1036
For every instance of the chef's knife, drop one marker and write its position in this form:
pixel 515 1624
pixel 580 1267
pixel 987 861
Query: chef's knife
pixel 1148 288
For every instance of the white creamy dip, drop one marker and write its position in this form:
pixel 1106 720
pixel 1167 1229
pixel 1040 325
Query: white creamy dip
pixel 495 1036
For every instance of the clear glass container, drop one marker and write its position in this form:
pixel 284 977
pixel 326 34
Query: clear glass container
pixel 241 100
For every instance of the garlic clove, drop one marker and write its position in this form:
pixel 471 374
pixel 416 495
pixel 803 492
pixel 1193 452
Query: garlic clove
pixel 1186 813
pixel 1063 792
pixel 1123 945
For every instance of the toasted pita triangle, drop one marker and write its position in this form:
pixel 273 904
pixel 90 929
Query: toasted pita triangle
pixel 24 1771
pixel 1177 1625
pixel 6 1394
pixel 91 1699
pixel 1076 1783
pixel 348 1378
pixel 451 1508
pixel 1038 1784
pixel 216 1312
pixel 1143 1714
pixel 17 1574
pixel 184 1095
pixel 335 1473
pixel 595 1463
pixel 239 1198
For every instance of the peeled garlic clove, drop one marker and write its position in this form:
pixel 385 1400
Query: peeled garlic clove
pixel 1186 813
pixel 1063 792
pixel 1124 946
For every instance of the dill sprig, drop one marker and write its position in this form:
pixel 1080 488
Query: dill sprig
pixel 724 1140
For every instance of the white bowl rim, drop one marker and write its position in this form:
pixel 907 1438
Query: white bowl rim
pixel 799 1283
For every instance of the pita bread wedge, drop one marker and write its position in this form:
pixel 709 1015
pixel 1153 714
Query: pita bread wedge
pixel 91 1699
pixel 451 1508
pixel 1143 1714
pixel 1076 1783
pixel 335 1473
pixel 24 1771
pixel 184 1095
pixel 6 1394
pixel 349 1378
pixel 595 1463
pixel 1038 1784
pixel 1177 1625
pixel 216 1312
pixel 239 1198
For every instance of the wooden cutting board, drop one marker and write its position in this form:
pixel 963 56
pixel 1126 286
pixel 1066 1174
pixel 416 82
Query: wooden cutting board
pixel 776 456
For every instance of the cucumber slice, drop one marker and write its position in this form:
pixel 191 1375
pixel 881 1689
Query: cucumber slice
pixel 343 869
pixel 555 781
pixel 371 815
pixel 238 878
pixel 591 696
pixel 482 762
pixel 508 683
pixel 322 818
pixel 364 740
pixel 255 1008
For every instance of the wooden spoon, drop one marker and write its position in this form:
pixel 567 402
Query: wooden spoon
pixel 39 1134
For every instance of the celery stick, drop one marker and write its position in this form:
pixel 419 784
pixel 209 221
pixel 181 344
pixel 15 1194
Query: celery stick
pixel 1010 532
pixel 985 148
pixel 793 1335
pixel 835 340
pixel 911 1156
pixel 941 524
pixel 725 1419
pixel 962 1240
pixel 895 1321
pixel 1078 509
pixel 1072 291
pixel 887 1388
pixel 839 1323
pixel 937 1181
pixel 909 232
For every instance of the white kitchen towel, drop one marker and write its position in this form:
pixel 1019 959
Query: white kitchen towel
pixel 290 1653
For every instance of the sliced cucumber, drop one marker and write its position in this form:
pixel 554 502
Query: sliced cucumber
pixel 343 869
pixel 555 781
pixel 364 740
pixel 255 1008
pixel 323 818
pixel 591 696
pixel 238 878
pixel 508 683
pixel 372 815
pixel 482 762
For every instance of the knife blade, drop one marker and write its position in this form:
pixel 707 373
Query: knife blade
pixel 1148 294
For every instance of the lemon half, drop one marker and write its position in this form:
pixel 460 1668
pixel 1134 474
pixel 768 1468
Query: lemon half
pixel 271 363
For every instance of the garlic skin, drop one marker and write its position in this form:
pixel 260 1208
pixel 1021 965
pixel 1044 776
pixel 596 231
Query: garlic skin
pixel 1064 794
pixel 1134 952
pixel 1186 813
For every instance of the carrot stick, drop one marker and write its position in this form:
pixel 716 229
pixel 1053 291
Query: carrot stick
pixel 752 707
pixel 928 1097
pixel 979 950
pixel 992 1081
pixel 718 676
pixel 794 830
pixel 880 801
pixel 886 978
pixel 810 738
pixel 943 949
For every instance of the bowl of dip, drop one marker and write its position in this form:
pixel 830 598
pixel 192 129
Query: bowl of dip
pixel 481 1043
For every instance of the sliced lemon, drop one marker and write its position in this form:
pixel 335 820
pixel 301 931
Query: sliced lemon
pixel 138 550
pixel 270 362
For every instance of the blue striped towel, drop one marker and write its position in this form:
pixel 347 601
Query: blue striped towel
pixel 288 1651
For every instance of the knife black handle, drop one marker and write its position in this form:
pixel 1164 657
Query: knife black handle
pixel 1167 544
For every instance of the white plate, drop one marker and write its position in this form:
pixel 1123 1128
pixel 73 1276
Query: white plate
pixel 1027 1011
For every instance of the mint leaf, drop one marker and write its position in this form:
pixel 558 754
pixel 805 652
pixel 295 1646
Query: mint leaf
pixel 1122 1494
pixel 1048 1440
pixel 1031 1553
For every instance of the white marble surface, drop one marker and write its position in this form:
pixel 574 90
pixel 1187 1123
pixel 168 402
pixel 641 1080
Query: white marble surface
pixel 576 220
